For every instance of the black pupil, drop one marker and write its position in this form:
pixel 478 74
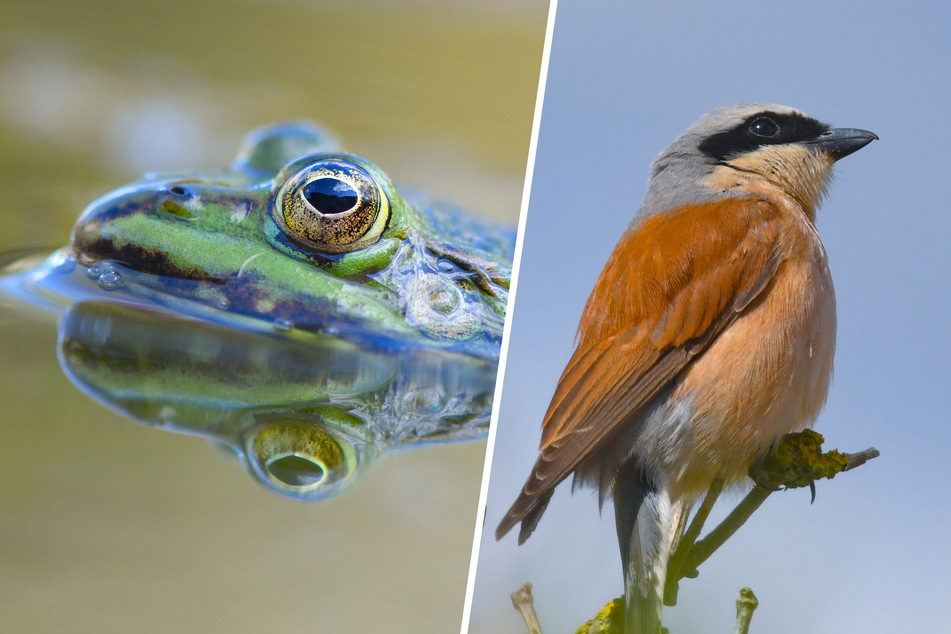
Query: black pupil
pixel 330 195
pixel 764 127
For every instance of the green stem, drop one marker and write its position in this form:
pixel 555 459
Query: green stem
pixel 708 545
pixel 687 541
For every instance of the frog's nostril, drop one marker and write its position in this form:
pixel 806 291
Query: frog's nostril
pixel 295 471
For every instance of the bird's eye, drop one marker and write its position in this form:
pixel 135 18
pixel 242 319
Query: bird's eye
pixel 332 206
pixel 764 127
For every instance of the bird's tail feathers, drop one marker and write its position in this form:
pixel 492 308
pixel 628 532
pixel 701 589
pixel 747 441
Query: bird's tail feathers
pixel 527 509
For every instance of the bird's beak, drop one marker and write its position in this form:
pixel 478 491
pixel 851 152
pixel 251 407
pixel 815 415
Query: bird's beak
pixel 840 142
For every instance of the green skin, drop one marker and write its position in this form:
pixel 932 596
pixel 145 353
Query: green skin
pixel 192 305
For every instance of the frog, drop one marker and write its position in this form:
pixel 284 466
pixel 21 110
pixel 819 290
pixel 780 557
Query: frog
pixel 357 317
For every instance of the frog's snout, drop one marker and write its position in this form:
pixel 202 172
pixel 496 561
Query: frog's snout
pixel 118 221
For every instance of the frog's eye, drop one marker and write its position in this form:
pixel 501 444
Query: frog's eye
pixel 333 206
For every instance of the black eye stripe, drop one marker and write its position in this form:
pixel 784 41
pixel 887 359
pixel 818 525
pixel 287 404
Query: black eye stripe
pixel 792 128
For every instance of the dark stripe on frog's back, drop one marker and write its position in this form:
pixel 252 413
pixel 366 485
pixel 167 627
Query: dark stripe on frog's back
pixel 151 262
pixel 313 314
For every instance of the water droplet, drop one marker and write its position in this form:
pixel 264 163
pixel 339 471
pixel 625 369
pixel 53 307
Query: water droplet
pixel 94 271
pixel 110 281
pixel 283 324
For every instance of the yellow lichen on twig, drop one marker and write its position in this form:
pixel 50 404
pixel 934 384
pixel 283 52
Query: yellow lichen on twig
pixel 609 619
pixel 798 461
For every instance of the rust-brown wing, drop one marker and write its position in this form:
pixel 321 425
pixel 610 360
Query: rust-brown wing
pixel 673 283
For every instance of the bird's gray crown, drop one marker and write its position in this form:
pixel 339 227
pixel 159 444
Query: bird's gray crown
pixel 678 173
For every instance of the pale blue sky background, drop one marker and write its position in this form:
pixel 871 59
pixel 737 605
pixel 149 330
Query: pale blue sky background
pixel 625 78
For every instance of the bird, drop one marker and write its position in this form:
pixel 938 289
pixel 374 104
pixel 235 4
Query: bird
pixel 708 336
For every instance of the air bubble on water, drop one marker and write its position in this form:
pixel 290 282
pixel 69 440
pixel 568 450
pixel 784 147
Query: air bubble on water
pixel 110 281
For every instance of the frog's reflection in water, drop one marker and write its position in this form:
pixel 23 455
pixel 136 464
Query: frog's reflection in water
pixel 305 415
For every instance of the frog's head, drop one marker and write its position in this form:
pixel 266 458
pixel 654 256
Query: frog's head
pixel 297 236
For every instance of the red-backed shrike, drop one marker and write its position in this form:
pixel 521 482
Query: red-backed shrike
pixel 708 336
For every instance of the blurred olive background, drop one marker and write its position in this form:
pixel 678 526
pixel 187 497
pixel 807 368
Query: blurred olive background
pixel 110 526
